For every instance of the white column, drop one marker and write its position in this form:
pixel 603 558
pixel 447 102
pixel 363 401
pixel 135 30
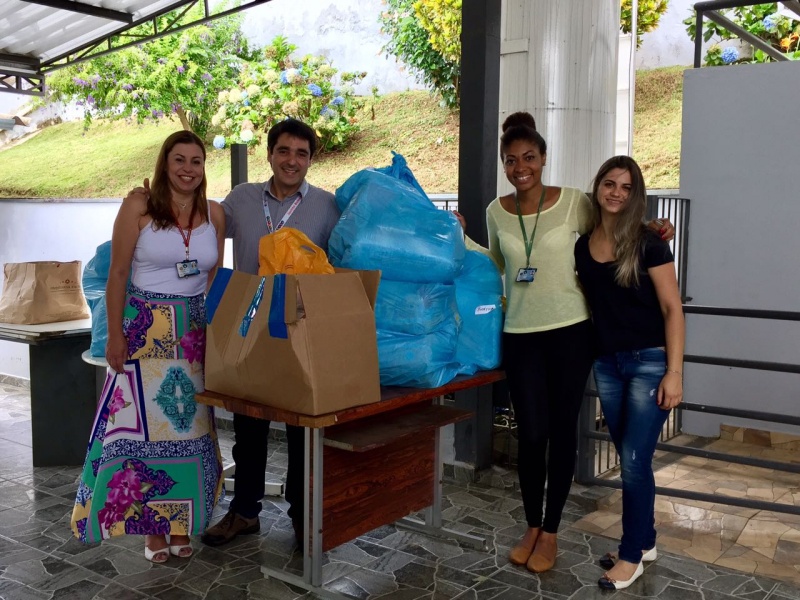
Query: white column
pixel 560 64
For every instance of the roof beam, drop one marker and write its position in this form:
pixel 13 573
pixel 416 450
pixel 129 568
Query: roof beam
pixel 19 62
pixel 86 9
pixel 13 82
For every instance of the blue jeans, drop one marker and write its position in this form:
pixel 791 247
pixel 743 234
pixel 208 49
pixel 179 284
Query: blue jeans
pixel 628 386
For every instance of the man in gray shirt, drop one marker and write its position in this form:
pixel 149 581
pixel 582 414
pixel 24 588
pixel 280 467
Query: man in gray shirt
pixel 253 210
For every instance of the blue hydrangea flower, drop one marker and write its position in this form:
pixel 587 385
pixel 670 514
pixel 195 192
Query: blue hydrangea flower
pixel 770 22
pixel 729 55
pixel 327 111
pixel 246 102
pixel 284 78
pixel 219 142
pixel 338 101
pixel 314 89
pixel 244 94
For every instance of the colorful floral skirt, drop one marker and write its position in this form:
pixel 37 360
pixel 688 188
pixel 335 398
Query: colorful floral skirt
pixel 153 465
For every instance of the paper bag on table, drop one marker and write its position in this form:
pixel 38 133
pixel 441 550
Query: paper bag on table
pixel 42 292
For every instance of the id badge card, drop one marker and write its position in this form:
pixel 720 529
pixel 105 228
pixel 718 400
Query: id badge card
pixel 526 274
pixel 187 268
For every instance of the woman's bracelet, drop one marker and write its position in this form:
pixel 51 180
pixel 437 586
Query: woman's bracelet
pixel 678 373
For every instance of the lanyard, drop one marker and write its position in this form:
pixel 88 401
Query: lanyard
pixel 529 245
pixel 282 222
pixel 187 235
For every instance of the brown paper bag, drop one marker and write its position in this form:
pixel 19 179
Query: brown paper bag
pixel 42 292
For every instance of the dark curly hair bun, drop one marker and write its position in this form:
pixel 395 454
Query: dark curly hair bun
pixel 519 119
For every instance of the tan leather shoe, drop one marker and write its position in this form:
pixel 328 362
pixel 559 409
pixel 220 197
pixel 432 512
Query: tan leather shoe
pixel 544 554
pixel 520 553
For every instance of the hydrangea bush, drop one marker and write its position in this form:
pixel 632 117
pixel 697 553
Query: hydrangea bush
pixel 281 86
pixel 762 20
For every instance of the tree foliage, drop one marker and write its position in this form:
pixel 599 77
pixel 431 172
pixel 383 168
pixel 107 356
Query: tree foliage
pixel 648 16
pixel 180 74
pixel 410 42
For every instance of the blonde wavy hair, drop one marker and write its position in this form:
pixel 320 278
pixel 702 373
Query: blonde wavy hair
pixel 630 228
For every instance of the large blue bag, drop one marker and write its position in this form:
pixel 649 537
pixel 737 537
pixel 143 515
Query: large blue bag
pixel 388 223
pixel 94 279
pixel 413 308
pixel 423 361
pixel 479 295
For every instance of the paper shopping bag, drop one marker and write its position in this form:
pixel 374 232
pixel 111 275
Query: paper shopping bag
pixel 42 292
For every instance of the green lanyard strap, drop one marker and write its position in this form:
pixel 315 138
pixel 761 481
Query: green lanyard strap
pixel 529 245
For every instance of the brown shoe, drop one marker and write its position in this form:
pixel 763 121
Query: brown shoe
pixel 231 525
pixel 544 554
pixel 520 553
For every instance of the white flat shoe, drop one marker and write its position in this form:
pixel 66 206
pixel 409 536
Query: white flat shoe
pixel 606 583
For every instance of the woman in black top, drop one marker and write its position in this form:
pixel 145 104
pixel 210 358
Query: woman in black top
pixel 628 276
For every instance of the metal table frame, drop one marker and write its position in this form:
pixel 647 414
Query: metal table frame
pixel 313 466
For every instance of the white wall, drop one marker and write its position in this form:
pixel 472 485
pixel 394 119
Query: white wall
pixel 346 31
pixel 669 44
pixel 739 168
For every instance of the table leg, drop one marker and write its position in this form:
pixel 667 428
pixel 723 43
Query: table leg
pixel 433 514
pixel 63 401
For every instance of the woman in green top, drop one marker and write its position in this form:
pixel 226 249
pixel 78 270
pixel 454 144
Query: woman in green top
pixel 547 336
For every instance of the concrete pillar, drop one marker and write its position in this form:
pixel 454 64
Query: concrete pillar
pixel 559 62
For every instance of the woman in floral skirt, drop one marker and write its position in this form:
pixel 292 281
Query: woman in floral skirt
pixel 153 466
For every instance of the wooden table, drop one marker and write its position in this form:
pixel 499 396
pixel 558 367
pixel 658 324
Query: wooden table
pixel 63 397
pixel 381 464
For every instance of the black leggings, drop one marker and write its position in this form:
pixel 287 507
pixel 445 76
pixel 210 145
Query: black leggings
pixel 546 373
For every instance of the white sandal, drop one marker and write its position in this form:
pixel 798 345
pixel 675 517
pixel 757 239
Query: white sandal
pixel 152 554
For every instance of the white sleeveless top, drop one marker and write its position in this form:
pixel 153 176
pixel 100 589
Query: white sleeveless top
pixel 158 250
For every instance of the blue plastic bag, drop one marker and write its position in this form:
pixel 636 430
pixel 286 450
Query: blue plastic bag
pixel 479 293
pixel 413 308
pixel 422 361
pixel 389 224
pixel 94 279
pixel 95 275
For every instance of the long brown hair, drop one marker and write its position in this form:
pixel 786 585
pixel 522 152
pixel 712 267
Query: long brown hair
pixel 159 204
pixel 630 229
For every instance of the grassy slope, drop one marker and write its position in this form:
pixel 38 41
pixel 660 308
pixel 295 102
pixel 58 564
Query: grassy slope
pixel 106 161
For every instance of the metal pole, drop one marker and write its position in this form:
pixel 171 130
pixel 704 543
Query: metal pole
pixel 632 72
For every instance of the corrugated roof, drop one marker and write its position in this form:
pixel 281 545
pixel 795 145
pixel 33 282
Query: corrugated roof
pixel 37 35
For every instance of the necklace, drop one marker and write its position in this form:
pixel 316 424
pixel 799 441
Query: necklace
pixel 181 204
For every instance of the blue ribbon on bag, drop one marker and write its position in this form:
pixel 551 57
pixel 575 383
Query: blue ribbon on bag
pixel 277 308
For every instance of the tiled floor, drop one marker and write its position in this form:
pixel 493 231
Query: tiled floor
pixel 753 541
pixel 39 559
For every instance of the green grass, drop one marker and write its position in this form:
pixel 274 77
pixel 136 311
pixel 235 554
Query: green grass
pixel 114 156
pixel 657 126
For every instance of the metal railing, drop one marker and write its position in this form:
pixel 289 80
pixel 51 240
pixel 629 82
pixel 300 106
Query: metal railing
pixel 591 424
pixel 709 10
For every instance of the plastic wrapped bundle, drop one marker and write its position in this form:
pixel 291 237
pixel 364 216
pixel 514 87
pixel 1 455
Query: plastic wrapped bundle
pixel 94 279
pixel 413 308
pixel 95 275
pixel 423 361
pixel 479 293
pixel 389 224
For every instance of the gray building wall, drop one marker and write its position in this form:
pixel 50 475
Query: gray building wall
pixel 739 168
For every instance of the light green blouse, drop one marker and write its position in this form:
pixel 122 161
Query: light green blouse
pixel 554 299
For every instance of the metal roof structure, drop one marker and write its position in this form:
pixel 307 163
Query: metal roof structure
pixel 37 36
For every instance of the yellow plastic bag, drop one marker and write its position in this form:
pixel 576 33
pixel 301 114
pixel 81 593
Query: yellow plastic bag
pixel 289 251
